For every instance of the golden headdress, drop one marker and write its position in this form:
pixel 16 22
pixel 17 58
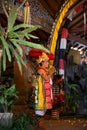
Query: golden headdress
pixel 43 57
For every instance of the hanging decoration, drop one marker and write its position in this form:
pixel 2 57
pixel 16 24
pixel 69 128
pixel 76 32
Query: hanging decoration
pixel 64 35
pixel 59 21
pixel 27 15
pixel 63 44
pixel 60 18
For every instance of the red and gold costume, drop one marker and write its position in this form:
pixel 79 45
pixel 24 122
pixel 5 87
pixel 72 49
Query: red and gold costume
pixel 43 93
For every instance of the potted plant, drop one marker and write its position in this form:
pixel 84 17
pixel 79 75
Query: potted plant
pixel 7 97
pixel 24 122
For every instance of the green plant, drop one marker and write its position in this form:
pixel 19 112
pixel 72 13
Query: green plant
pixel 7 95
pixel 72 98
pixel 4 128
pixel 24 122
pixel 13 37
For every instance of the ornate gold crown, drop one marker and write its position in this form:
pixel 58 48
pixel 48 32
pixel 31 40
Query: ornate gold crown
pixel 43 57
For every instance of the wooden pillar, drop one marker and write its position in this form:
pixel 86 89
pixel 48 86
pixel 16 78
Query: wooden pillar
pixel 23 85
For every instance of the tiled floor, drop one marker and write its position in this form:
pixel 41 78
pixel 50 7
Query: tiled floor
pixel 65 124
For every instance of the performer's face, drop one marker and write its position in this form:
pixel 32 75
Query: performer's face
pixel 45 63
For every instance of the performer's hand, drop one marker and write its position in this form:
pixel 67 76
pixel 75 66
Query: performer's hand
pixel 52 70
pixel 61 92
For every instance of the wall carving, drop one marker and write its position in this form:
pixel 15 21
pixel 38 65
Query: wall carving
pixel 39 15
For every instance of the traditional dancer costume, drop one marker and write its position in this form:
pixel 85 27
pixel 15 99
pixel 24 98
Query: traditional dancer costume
pixel 43 92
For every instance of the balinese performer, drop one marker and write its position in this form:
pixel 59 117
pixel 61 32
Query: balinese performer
pixel 43 87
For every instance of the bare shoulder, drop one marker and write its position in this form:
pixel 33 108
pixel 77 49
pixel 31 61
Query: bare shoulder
pixel 41 71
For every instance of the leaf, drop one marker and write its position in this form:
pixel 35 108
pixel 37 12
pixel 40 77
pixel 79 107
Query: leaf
pixel 74 87
pixel 11 91
pixel 24 35
pixel 19 49
pixel 31 44
pixel 13 35
pixel 6 47
pixel 10 103
pixel 32 36
pixel 29 27
pixel 18 58
pixel 11 19
pixel 4 60
pixel 1 30
pixel 1 100
pixel 21 34
pixel 21 60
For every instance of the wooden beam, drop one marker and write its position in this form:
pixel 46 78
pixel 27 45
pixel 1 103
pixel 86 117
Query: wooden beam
pixel 53 5
pixel 77 22
pixel 44 4
pixel 78 39
pixel 77 30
